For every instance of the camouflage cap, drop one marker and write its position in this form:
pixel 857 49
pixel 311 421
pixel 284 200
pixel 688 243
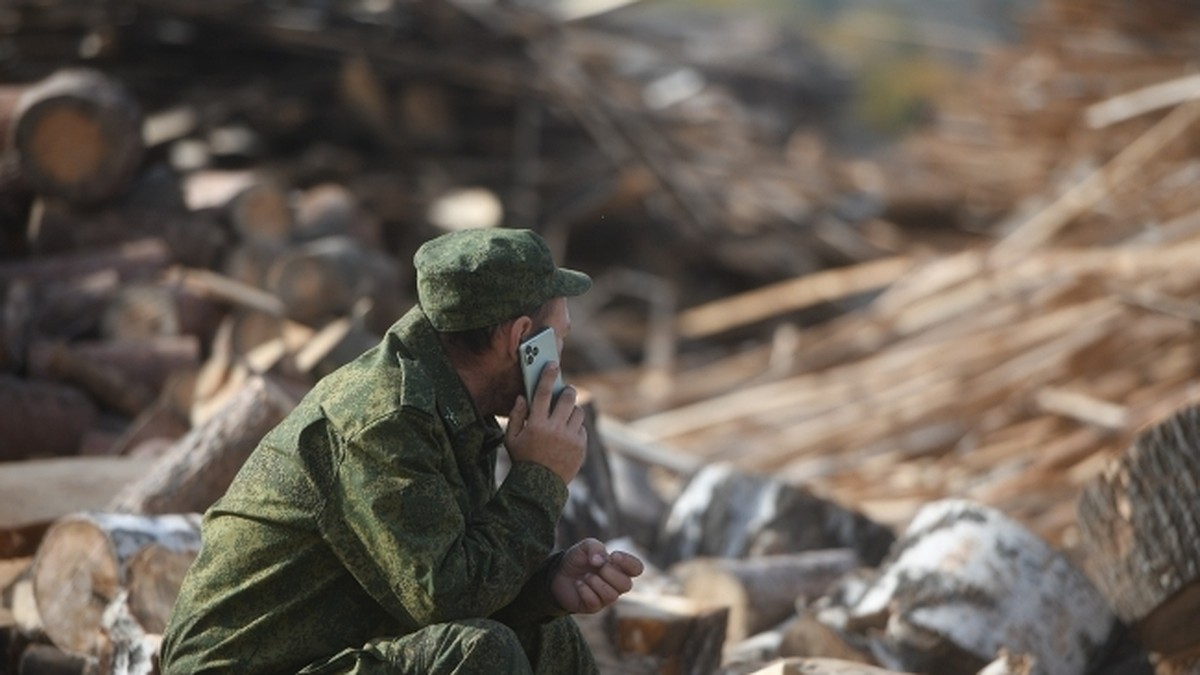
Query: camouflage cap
pixel 483 277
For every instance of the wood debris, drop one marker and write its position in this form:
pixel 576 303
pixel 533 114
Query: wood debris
pixel 787 351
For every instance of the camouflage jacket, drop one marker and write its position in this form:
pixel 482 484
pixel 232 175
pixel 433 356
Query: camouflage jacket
pixel 371 510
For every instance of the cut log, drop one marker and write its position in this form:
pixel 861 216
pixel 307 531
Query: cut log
pixel 154 430
pixel 41 659
pixel 1138 525
pixel 966 581
pixel 107 385
pixel 822 666
pixel 201 465
pixel 131 261
pixel 152 206
pixel 261 214
pixel 762 591
pixel 807 636
pixel 322 280
pixel 128 648
pixel 73 307
pixel 249 262
pixel 652 634
pixel 42 419
pixel 78 136
pixel 725 513
pixel 143 363
pixel 329 210
pixel 10 95
pixel 39 492
pixel 87 559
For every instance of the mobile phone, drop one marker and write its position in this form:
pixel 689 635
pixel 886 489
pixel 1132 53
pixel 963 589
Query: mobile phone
pixel 535 352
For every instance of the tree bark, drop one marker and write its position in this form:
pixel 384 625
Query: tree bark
pixel 39 492
pixel 764 590
pixel 965 581
pixel 198 469
pixel 42 419
pixel 724 513
pixel 822 666
pixel 652 635
pixel 40 659
pixel 261 214
pixel 1138 523
pixel 132 260
pixel 87 559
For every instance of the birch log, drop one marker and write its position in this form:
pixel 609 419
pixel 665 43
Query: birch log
pixel 87 559
pixel 821 666
pixel 761 591
pixel 1138 530
pixel 964 582
pixel 725 513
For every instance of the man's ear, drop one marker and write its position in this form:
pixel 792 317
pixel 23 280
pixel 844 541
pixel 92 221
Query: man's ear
pixel 517 329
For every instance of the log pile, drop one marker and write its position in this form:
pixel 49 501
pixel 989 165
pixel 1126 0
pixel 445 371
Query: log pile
pixel 790 370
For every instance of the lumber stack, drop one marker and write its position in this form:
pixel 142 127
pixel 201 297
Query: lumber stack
pixel 1007 371
pixel 783 388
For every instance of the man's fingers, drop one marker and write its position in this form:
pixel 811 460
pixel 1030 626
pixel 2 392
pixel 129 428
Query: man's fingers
pixel 629 563
pixel 564 406
pixel 588 598
pixel 605 591
pixel 543 395
pixel 616 580
pixel 516 418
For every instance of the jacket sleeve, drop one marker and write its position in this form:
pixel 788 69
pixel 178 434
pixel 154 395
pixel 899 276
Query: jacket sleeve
pixel 535 603
pixel 393 518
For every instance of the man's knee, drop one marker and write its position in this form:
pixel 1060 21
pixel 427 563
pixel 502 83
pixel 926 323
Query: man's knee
pixel 484 637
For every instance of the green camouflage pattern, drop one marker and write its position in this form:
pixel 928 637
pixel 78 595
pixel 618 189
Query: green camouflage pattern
pixel 470 647
pixel 369 514
pixel 478 278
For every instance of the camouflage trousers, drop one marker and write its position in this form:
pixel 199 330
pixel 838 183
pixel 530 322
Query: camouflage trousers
pixel 468 647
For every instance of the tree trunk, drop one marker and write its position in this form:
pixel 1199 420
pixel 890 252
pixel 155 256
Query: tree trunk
pixel 87 559
pixel 966 581
pixel 323 279
pixel 41 419
pixel 200 466
pixel 107 385
pixel 260 214
pixel 78 136
pixel 39 492
pixel 764 590
pixel 40 659
pixel 820 666
pixel 1138 523
pixel 132 260
pixel 656 635
pixel 146 363
pixel 724 513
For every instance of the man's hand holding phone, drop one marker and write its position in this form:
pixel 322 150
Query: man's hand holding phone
pixel 548 431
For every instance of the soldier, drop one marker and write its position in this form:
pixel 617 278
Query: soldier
pixel 367 534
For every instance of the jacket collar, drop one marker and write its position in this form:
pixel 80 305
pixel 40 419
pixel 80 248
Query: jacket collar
pixel 454 404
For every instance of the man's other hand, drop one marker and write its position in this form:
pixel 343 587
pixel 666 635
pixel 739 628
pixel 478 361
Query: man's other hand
pixel 590 578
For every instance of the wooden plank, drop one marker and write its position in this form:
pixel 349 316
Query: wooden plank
pixel 789 296
pixel 37 492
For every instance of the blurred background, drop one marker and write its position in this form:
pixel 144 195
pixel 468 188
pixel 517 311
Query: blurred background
pixel 888 252
pixel 791 210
